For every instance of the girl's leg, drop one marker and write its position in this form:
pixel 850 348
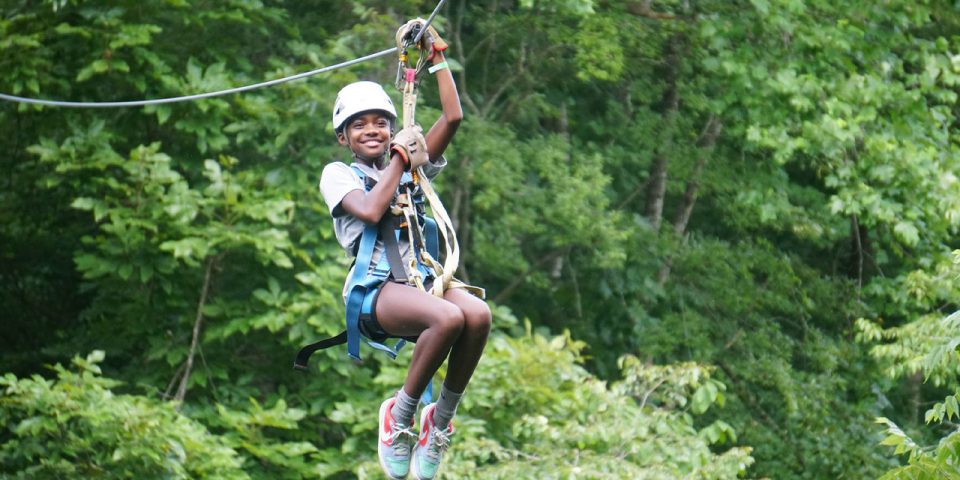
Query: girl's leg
pixel 435 428
pixel 468 347
pixel 408 312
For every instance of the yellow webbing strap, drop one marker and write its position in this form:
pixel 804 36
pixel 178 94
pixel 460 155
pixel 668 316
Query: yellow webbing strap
pixel 451 246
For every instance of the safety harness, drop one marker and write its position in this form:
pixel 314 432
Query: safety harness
pixel 405 216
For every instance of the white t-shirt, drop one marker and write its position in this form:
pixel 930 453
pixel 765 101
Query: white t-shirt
pixel 337 180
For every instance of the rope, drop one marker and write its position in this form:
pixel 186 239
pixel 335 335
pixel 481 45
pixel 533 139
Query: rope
pixel 442 218
pixel 139 103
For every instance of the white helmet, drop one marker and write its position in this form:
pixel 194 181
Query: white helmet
pixel 361 97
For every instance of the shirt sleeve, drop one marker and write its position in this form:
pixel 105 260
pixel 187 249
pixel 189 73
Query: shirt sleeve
pixel 432 169
pixel 336 181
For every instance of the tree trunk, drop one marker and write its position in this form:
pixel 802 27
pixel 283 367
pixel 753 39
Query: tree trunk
pixel 197 327
pixel 461 55
pixel 859 247
pixel 461 218
pixel 657 183
pixel 708 139
pixel 706 142
pixel 643 9
pixel 914 382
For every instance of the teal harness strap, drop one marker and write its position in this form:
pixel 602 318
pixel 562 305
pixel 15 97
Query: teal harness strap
pixel 360 285
pixel 431 237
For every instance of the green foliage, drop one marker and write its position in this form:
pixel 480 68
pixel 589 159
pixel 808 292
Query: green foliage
pixel 528 413
pixel 533 411
pixel 74 426
pixel 928 345
pixel 939 461
pixel 811 143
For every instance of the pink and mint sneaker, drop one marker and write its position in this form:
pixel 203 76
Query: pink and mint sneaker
pixel 427 453
pixel 395 443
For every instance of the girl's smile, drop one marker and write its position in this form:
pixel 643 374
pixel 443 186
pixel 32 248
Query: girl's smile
pixel 367 135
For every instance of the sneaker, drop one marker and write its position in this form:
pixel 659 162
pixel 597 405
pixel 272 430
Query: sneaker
pixel 429 449
pixel 395 443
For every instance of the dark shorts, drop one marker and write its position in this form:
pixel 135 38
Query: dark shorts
pixel 371 328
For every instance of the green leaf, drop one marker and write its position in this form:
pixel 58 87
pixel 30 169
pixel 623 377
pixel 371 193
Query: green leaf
pixel 907 233
pixel 953 409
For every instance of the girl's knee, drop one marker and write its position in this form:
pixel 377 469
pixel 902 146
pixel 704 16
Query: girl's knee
pixel 478 318
pixel 450 320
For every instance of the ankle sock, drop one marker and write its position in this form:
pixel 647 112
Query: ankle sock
pixel 446 407
pixel 404 408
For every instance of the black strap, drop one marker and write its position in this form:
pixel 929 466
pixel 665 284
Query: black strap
pixel 388 234
pixel 300 363
pixel 387 231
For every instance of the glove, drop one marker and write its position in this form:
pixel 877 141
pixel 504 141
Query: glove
pixel 429 41
pixel 411 146
pixel 437 44
pixel 409 30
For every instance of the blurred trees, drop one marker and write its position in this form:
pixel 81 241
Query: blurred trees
pixel 745 185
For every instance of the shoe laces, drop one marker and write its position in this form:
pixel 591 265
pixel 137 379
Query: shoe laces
pixel 401 447
pixel 439 442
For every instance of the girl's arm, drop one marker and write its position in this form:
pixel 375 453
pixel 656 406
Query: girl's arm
pixel 442 131
pixel 370 206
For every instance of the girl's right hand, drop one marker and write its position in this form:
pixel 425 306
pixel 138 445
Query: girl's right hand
pixel 411 146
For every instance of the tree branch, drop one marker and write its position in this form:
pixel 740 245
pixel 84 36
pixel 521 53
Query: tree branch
pixel 858 244
pixel 657 183
pixel 197 325
pixel 707 140
pixel 508 290
pixel 520 68
pixel 642 9
pixel 632 195
pixel 467 99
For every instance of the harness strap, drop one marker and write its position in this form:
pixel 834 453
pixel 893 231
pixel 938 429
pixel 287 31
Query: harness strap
pixel 431 240
pixel 388 233
pixel 303 356
pixel 359 288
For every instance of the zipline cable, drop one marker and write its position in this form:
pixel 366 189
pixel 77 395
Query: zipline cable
pixel 199 96
pixel 426 24
pixel 140 103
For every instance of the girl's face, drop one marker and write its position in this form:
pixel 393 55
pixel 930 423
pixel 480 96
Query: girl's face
pixel 367 135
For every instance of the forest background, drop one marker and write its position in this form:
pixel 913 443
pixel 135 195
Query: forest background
pixel 719 238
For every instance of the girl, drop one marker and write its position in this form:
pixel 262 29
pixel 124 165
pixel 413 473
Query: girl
pixel 455 326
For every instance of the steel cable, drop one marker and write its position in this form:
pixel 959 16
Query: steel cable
pixel 199 96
